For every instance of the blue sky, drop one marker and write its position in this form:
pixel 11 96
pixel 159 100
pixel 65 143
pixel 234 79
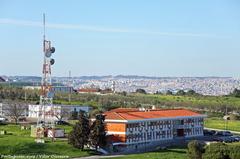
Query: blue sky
pixel 137 37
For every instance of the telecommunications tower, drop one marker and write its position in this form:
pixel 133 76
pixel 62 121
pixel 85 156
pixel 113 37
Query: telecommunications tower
pixel 46 108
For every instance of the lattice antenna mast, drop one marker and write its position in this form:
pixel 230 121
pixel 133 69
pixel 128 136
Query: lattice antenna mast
pixel 46 84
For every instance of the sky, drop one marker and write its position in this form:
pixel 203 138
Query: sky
pixel 127 37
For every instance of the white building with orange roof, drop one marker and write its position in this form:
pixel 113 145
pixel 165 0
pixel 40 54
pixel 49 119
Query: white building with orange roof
pixel 132 127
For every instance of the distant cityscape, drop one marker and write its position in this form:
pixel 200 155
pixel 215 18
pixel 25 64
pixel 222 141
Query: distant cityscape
pixel 203 85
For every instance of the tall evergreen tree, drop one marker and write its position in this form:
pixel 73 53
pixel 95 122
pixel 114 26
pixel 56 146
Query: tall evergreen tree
pixel 98 132
pixel 78 137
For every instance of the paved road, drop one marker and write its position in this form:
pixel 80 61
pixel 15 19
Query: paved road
pixel 234 132
pixel 98 157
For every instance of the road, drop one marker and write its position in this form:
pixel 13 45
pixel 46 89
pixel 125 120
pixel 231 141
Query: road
pixel 233 132
pixel 98 157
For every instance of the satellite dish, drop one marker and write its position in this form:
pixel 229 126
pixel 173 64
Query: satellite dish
pixel 52 61
pixel 52 49
pixel 48 54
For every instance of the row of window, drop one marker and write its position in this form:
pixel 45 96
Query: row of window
pixel 158 135
pixel 149 136
pixel 153 125
pixel 193 131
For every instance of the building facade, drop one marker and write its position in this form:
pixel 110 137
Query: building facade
pixel 132 127
pixel 56 112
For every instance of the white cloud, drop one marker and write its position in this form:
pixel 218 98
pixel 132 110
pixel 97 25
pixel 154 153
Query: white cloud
pixel 95 28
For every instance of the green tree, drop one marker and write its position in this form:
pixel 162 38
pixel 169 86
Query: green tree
pixel 78 137
pixel 191 93
pixel 195 150
pixel 180 93
pixel 234 117
pixel 169 92
pixel 98 132
pixel 74 114
pixel 235 93
pixel 216 151
pixel 141 91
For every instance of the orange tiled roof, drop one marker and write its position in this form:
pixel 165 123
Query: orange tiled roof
pixel 135 114
pixel 118 110
pixel 88 90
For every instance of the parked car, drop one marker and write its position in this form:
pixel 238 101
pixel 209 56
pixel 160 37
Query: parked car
pixel 236 138
pixel 219 133
pixel 212 132
pixel 227 133
pixel 3 121
pixel 61 122
pixel 209 132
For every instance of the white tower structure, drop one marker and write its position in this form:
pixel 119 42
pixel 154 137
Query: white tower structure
pixel 46 96
pixel 114 86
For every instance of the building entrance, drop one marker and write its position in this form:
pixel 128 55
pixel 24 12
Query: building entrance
pixel 180 132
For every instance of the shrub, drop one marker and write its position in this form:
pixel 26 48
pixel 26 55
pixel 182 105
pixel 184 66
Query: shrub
pixel 234 151
pixel 195 150
pixel 216 151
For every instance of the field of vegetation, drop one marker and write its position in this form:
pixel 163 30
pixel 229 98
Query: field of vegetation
pixel 123 99
pixel 219 123
pixel 19 142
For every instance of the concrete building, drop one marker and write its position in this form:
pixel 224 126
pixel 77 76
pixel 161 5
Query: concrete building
pixel 56 112
pixel 62 89
pixel 134 128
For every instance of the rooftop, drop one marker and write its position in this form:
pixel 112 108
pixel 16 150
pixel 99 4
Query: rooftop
pixel 136 114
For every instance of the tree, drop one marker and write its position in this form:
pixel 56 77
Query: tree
pixel 124 93
pixel 169 92
pixel 180 93
pixel 78 137
pixel 98 132
pixel 141 91
pixel 15 110
pixel 216 151
pixel 195 150
pixel 63 113
pixel 191 93
pixel 94 112
pixel 74 114
pixel 234 117
pixel 158 92
pixel 235 93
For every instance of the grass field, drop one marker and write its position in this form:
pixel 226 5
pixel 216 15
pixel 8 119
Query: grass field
pixel 162 154
pixel 19 142
pixel 218 123
pixel 168 101
pixel 205 101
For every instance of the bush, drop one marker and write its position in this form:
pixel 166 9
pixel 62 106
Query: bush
pixel 216 151
pixel 234 152
pixel 234 117
pixel 195 150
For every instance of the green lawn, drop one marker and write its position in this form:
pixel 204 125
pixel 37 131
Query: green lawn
pixel 162 154
pixel 19 142
pixel 218 123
